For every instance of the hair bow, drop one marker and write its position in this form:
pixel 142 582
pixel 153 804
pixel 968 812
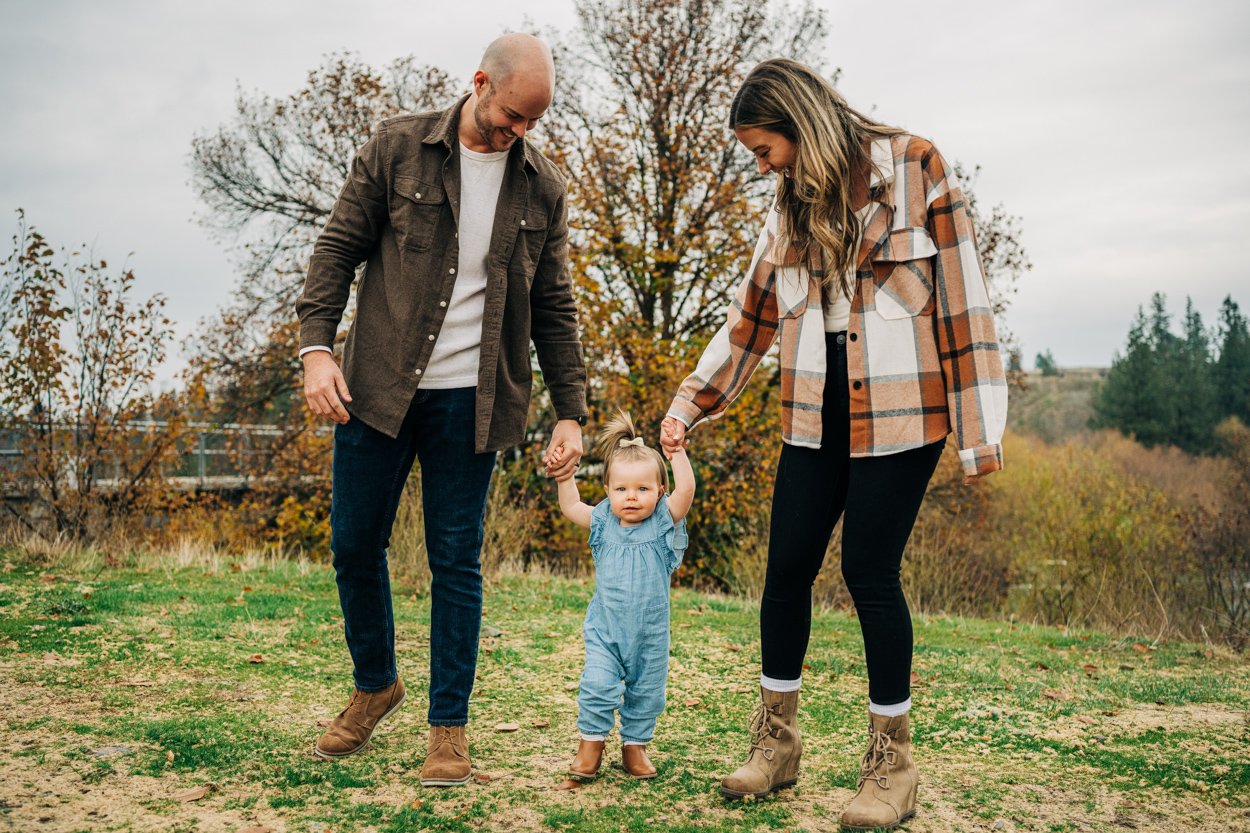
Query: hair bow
pixel 635 441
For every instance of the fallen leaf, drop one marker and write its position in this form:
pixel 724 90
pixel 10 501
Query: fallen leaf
pixel 540 723
pixel 324 724
pixel 915 678
pixel 1141 647
pixel 1086 720
pixel 733 648
pixel 1052 694
pixel 257 828
pixel 195 794
pixel 416 804
pixel 1041 666
pixel 256 659
pixel 507 727
pixel 692 702
pixel 169 755
pixel 482 777
pixel 1090 669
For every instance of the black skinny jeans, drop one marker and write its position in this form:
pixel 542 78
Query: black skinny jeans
pixel 880 497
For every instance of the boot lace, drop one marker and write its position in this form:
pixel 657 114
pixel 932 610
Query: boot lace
pixel 761 727
pixel 879 756
pixel 442 735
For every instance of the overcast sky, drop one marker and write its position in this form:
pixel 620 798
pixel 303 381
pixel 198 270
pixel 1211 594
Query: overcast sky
pixel 1115 130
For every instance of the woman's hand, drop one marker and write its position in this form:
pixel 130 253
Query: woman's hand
pixel 672 436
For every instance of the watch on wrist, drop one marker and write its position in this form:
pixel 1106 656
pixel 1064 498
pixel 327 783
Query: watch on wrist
pixel 581 420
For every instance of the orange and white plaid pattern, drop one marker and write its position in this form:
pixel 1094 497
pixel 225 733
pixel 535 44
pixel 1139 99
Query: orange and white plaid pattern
pixel 922 355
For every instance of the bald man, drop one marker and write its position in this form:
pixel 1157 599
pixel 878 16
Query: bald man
pixel 462 228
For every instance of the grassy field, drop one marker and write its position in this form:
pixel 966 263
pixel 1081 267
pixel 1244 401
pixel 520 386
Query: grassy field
pixel 187 698
pixel 1055 407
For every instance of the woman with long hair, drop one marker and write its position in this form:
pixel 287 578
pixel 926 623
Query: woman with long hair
pixel 867 272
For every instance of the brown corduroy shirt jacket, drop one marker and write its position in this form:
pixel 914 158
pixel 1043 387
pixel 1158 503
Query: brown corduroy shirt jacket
pixel 398 213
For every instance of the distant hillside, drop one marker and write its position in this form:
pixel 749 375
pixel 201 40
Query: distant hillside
pixel 1055 407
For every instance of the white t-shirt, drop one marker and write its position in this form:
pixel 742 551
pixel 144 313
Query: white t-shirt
pixel 454 361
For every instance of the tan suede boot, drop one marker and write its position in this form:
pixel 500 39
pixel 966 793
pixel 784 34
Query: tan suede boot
pixel 773 761
pixel 887 778
pixel 447 762
pixel 350 731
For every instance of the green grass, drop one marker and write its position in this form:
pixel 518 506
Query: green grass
pixel 128 686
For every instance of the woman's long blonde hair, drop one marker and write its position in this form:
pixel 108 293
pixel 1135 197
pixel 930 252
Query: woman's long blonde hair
pixel 792 99
pixel 618 430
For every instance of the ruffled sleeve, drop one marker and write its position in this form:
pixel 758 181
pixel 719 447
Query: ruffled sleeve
pixel 672 534
pixel 599 517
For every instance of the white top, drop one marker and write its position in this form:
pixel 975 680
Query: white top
pixel 454 362
pixel 837 305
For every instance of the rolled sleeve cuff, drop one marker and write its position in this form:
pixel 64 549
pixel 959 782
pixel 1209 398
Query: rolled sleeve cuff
pixel 981 460
pixel 685 412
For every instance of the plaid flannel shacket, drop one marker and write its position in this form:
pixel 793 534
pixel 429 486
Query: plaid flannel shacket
pixel 922 354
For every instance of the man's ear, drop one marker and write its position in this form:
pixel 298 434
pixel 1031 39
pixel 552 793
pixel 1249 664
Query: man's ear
pixel 480 82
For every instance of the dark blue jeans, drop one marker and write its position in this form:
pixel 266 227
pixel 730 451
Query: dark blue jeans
pixel 370 469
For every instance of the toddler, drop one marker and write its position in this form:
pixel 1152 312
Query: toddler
pixel 637 538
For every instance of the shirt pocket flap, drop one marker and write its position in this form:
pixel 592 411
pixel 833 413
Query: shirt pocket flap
pixel 911 243
pixel 903 274
pixel 533 220
pixel 419 191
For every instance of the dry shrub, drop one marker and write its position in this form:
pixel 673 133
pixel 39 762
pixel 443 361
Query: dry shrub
pixel 1091 545
pixel 1192 482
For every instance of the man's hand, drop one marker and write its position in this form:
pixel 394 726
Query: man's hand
pixel 672 436
pixel 324 386
pixel 565 451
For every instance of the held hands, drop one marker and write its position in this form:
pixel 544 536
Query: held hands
pixel 325 389
pixel 673 437
pixel 565 450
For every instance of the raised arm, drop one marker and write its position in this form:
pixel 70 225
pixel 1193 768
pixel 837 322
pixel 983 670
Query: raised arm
pixel 571 503
pixel 683 484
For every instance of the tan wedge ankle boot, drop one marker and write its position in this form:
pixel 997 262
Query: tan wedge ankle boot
pixel 887 778
pixel 773 760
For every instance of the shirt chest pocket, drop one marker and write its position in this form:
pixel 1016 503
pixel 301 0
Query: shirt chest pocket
pixel 903 274
pixel 531 236
pixel 416 207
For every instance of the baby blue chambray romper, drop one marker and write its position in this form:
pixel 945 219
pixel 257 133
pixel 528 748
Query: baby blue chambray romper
pixel 626 629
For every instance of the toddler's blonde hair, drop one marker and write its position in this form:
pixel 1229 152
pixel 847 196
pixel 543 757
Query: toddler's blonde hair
pixel 619 441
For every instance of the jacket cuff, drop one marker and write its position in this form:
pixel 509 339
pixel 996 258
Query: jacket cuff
pixel 981 460
pixel 316 334
pixel 685 412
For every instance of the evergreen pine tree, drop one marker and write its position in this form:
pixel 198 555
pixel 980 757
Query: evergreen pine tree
pixel 1124 401
pixel 1232 370
pixel 1195 387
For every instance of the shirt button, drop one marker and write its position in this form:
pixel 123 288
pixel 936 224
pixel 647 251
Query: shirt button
pixel 857 385
pixel 418 195
pixel 451 271
pixel 416 372
pixel 431 338
pixel 522 222
pixel 442 303
pixel 854 336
